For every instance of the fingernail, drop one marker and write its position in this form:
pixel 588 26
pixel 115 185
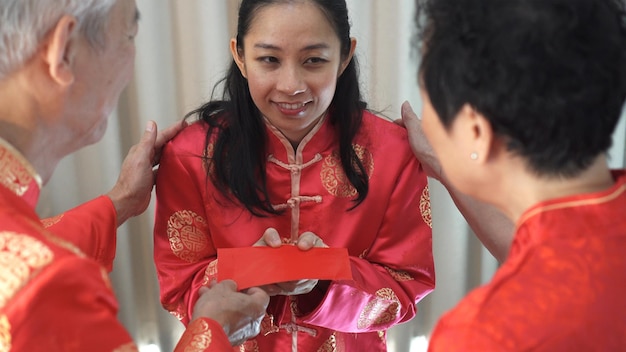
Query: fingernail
pixel 150 126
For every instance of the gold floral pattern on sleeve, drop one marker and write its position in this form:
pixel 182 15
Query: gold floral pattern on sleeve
pixel 187 233
pixel 21 257
pixel 210 272
pixel 176 310
pixel 330 345
pixel 197 337
pixel 399 275
pixel 249 346
pixel 47 222
pixel 425 207
pixel 5 334
pixel 382 310
pixel 334 178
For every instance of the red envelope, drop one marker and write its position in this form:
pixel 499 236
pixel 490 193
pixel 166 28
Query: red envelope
pixel 257 266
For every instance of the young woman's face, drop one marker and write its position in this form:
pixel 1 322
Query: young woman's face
pixel 291 58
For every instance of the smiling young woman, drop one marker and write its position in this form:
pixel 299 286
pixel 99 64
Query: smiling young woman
pixel 292 155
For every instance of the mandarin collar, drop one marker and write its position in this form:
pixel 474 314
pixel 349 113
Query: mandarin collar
pixel 283 139
pixel 18 175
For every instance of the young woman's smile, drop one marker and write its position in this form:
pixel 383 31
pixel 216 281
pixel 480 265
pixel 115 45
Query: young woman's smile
pixel 291 58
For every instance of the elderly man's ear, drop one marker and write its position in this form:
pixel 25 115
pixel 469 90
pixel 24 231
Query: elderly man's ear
pixel 59 49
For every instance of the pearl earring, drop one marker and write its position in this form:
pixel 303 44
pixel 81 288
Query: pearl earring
pixel 474 156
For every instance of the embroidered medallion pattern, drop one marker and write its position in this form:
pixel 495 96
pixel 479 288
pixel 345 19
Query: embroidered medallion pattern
pixel 334 178
pixel 21 257
pixel 425 207
pixel 186 231
pixel 380 311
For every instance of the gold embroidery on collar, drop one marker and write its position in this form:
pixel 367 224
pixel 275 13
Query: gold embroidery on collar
pixel 16 173
pixel 574 203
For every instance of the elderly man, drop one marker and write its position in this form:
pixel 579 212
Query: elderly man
pixel 63 66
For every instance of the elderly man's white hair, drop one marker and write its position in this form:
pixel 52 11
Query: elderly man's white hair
pixel 24 23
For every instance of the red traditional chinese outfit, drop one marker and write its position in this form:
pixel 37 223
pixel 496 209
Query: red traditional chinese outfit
pixel 53 296
pixel 388 236
pixel 562 288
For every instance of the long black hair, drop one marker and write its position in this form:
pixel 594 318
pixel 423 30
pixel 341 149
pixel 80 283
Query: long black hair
pixel 236 165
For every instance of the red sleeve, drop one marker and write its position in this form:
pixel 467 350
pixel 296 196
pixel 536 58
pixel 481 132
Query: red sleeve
pixel 184 254
pixel 67 306
pixel 204 335
pixel 396 273
pixel 91 226
pixel 70 307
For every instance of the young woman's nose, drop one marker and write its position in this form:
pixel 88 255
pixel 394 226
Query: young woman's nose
pixel 290 81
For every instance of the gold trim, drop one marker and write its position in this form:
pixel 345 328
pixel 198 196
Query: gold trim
pixel 16 173
pixel 574 203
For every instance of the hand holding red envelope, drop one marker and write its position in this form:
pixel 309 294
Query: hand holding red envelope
pixel 258 266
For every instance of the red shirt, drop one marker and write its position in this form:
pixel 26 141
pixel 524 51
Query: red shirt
pixel 562 288
pixel 54 296
pixel 388 236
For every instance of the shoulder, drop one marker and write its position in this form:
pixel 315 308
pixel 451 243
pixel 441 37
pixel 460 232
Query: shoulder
pixel 191 139
pixel 386 124
pixel 384 136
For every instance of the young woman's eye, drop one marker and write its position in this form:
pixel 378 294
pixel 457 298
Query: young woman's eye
pixel 268 59
pixel 316 60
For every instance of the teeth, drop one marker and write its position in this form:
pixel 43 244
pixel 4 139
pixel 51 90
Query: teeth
pixel 291 106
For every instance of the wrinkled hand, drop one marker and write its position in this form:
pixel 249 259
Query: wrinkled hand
pixel 239 313
pixel 419 144
pixel 131 193
pixel 307 240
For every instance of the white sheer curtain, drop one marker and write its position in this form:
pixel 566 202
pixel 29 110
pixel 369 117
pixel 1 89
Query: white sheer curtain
pixel 182 50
